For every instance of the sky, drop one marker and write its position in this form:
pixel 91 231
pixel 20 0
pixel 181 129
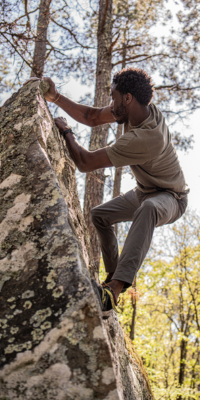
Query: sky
pixel 190 163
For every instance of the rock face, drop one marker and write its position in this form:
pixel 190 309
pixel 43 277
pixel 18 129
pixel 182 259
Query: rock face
pixel 53 342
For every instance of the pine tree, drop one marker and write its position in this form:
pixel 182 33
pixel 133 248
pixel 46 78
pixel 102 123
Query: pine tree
pixel 94 185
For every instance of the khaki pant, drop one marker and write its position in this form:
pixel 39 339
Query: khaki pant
pixel 147 211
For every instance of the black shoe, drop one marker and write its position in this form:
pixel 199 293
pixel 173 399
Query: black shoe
pixel 106 297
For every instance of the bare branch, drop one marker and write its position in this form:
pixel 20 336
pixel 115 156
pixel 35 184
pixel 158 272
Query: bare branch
pixel 127 47
pixel 15 48
pixel 146 57
pixel 22 16
pixel 176 87
pixel 28 25
pixel 113 44
pixel 72 34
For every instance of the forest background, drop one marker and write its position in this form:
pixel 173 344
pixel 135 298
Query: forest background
pixel 80 44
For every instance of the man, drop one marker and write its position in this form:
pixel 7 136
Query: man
pixel 160 196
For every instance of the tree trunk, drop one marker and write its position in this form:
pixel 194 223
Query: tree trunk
pixel 183 352
pixel 132 333
pixel 118 171
pixel 134 305
pixel 118 176
pixel 94 185
pixel 41 40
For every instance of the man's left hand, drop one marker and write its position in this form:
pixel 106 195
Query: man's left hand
pixel 61 123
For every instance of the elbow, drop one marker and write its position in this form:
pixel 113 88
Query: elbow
pixel 81 168
pixel 92 123
pixel 84 164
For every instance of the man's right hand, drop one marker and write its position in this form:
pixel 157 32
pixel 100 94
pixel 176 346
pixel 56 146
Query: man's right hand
pixel 52 93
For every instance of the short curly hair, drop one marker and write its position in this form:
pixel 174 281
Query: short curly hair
pixel 136 82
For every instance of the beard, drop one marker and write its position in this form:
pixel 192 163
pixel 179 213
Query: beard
pixel 121 114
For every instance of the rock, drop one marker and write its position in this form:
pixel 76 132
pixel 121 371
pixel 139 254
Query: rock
pixel 53 344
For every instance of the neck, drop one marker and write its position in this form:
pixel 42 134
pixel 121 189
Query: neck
pixel 138 115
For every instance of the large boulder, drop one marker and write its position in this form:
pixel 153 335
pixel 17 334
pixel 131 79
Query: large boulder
pixel 54 344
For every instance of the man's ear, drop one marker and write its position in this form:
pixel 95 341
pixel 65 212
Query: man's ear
pixel 128 98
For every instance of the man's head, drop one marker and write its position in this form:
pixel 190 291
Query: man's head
pixel 128 85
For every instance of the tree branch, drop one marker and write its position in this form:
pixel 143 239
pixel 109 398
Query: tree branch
pixel 113 44
pixel 22 16
pixel 72 34
pixel 14 47
pixel 127 47
pixel 138 56
pixel 28 25
pixel 175 87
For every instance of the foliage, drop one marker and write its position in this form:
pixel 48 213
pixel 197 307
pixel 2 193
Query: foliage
pixel 167 331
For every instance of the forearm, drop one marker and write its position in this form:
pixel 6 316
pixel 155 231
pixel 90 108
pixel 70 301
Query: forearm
pixel 85 160
pixel 84 114
pixel 76 151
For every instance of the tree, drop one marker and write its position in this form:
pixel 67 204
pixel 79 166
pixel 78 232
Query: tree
pixel 42 36
pixel 118 171
pixel 94 185
pixel 40 50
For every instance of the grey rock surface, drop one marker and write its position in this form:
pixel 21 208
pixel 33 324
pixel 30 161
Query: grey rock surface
pixel 53 343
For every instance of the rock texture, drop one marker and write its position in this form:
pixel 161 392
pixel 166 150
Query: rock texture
pixel 53 343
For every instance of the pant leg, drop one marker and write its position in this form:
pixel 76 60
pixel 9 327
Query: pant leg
pixel 157 209
pixel 121 208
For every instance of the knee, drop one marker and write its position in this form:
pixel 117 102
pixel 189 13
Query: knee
pixel 95 215
pixel 149 207
pixel 98 217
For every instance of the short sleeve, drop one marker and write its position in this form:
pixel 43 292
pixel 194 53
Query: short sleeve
pixel 129 149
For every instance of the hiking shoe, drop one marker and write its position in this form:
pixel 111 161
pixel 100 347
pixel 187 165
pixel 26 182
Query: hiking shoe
pixel 106 298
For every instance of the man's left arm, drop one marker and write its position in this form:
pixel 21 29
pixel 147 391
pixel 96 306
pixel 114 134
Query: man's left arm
pixel 86 161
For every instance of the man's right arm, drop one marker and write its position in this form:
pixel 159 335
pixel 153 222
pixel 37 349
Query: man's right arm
pixel 86 115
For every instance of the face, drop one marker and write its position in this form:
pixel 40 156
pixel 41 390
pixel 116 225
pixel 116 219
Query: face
pixel 118 106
